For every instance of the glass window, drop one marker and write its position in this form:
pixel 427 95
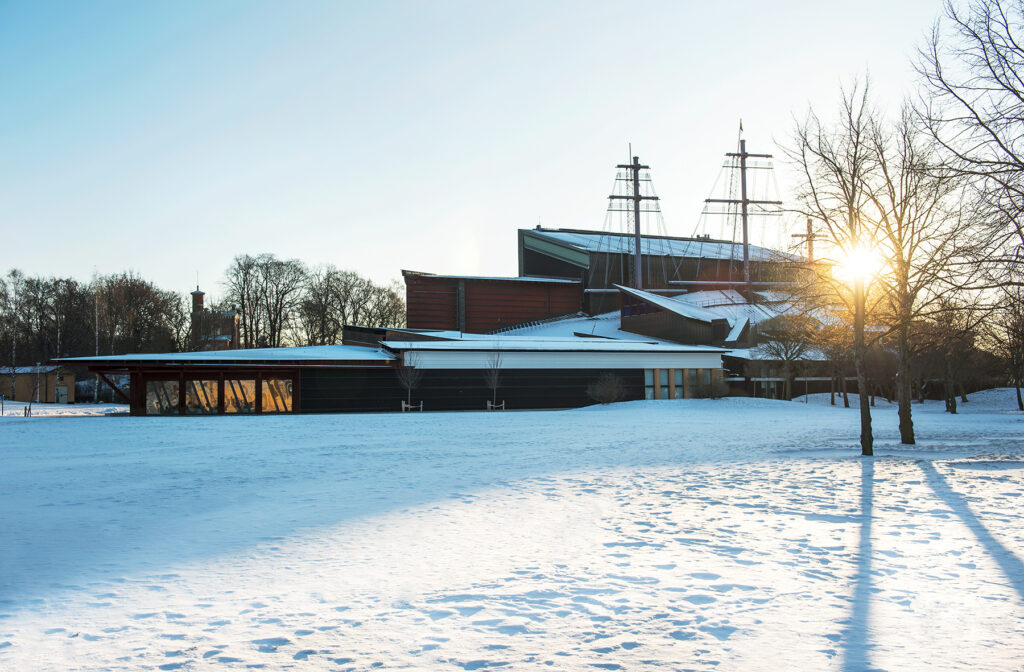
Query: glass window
pixel 161 397
pixel 679 383
pixel 277 395
pixel 691 391
pixel 201 397
pixel 239 396
pixel 664 377
pixel 648 384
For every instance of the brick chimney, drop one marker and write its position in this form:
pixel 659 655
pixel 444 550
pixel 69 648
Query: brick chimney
pixel 197 319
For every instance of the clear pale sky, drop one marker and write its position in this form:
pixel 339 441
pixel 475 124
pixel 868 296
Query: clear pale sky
pixel 167 137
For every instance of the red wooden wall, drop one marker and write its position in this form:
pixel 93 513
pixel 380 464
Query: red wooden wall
pixel 480 305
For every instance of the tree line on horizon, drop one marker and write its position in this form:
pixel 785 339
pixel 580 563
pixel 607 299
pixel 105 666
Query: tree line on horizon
pixel 280 301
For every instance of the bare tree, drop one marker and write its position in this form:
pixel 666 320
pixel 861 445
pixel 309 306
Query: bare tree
pixel 924 233
pixel 409 375
pixel 13 314
pixel 282 282
pixel 267 292
pixel 243 287
pixel 492 374
pixel 835 163
pixel 607 389
pixel 1006 337
pixel 386 307
pixel 319 324
pixel 788 339
pixel 973 70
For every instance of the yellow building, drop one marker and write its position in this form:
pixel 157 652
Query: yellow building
pixel 45 384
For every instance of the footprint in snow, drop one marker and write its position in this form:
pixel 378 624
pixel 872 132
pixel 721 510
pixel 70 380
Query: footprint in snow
pixel 700 599
pixel 270 644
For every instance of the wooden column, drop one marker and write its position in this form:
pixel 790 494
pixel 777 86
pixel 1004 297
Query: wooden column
pixel 686 383
pixel 657 383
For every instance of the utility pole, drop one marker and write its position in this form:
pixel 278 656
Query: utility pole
pixel 809 236
pixel 744 204
pixel 636 198
pixel 96 332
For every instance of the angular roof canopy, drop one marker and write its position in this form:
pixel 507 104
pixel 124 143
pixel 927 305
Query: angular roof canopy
pixel 622 243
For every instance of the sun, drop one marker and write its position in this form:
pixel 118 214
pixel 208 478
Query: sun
pixel 859 262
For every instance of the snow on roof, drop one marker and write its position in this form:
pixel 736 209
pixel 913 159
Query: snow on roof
pixel 703 248
pixel 681 308
pixel 551 343
pixel 730 305
pixel 604 326
pixel 310 353
pixel 487 277
pixel 737 330
pixel 19 370
pixel 757 353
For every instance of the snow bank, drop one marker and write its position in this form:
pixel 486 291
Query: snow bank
pixel 16 409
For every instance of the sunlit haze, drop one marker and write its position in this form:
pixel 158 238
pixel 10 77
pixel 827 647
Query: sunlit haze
pixel 169 137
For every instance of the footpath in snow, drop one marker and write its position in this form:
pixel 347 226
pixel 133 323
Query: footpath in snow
pixel 733 534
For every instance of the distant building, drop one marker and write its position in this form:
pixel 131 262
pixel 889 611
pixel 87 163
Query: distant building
pixel 47 384
pixel 213 329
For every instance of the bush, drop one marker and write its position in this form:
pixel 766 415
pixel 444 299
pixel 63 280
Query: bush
pixel 607 389
pixel 716 390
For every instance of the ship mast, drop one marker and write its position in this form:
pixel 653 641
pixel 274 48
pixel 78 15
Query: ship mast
pixel 744 204
pixel 635 167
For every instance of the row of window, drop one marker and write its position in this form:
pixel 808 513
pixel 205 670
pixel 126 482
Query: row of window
pixel 676 383
pixel 202 397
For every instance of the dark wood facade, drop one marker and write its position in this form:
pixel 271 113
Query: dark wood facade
pixel 339 389
pixel 334 390
pixel 482 305
pixel 641 317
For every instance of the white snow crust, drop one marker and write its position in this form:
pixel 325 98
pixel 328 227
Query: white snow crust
pixel 732 534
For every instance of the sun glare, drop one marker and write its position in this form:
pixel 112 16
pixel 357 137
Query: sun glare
pixel 858 263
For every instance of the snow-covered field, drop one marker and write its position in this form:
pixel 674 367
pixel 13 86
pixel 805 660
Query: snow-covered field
pixel 734 534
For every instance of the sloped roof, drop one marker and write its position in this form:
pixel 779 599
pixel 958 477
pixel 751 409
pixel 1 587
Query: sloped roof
pixel 549 344
pixel 668 303
pixel 21 370
pixel 310 353
pixel 619 243
pixel 495 278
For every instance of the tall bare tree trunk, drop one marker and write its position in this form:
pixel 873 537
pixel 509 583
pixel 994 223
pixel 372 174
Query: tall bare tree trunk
pixel 867 440
pixel 1016 384
pixel 832 387
pixel 14 375
pixel 948 385
pixel 903 389
pixel 842 386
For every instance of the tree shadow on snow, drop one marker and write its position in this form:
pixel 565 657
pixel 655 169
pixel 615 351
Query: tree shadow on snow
pixel 1008 562
pixel 855 637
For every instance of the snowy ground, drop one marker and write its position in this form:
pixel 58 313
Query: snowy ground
pixel 737 534
pixel 16 409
